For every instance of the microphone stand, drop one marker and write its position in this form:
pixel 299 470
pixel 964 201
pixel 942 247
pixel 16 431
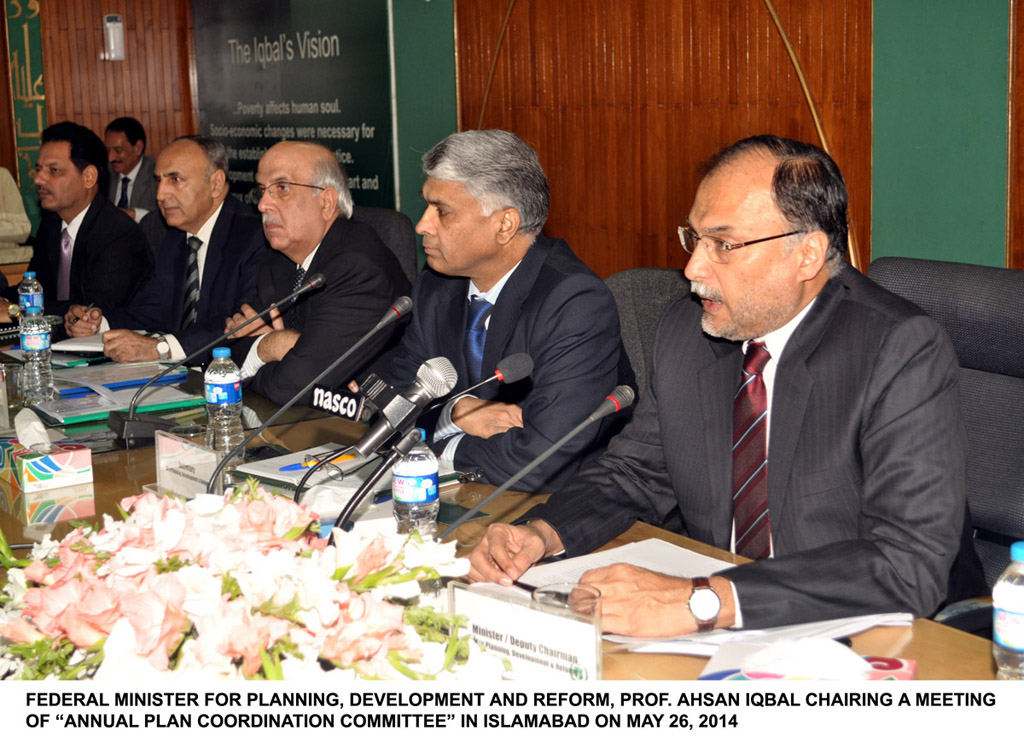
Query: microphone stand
pixel 401 307
pixel 600 412
pixel 401 448
pixel 137 430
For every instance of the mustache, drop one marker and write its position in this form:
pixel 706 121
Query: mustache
pixel 267 219
pixel 704 291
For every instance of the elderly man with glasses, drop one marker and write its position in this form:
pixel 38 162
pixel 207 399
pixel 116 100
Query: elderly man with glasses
pixel 306 207
pixel 800 415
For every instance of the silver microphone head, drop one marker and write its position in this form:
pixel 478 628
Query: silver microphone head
pixel 437 376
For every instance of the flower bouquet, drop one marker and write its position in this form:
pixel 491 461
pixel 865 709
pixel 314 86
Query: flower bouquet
pixel 229 587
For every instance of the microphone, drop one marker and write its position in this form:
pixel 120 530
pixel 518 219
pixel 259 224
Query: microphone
pixel 511 369
pixel 435 378
pixel 401 307
pixel 134 431
pixel 620 398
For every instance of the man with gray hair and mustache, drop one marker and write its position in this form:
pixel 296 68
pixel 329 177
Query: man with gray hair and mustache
pixel 494 286
pixel 307 207
pixel 799 415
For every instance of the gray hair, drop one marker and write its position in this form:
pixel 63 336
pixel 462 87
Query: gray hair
pixel 216 154
pixel 496 168
pixel 328 173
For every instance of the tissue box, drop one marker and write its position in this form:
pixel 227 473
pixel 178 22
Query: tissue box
pixel 65 464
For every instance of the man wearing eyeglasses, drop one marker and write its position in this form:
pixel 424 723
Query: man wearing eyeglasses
pixel 306 207
pixel 205 267
pixel 799 415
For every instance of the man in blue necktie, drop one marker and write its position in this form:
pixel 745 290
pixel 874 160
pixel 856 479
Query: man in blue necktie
pixel 494 286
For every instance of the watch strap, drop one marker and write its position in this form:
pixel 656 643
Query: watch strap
pixel 703 583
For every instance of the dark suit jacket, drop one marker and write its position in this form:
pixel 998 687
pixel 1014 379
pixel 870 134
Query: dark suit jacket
pixel 554 308
pixel 109 264
pixel 865 459
pixel 363 279
pixel 143 189
pixel 233 257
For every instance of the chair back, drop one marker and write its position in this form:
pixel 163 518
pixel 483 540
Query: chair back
pixel 982 310
pixel 642 295
pixel 395 230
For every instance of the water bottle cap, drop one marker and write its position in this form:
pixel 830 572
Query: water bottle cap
pixel 1017 552
pixel 222 352
pixel 35 310
pixel 423 435
pixel 29 274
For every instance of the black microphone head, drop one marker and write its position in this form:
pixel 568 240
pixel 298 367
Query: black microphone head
pixel 622 395
pixel 316 280
pixel 514 368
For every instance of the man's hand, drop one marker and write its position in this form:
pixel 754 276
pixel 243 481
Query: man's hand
pixel 481 418
pixel 129 212
pixel 505 551
pixel 639 602
pixel 81 321
pixel 276 344
pixel 259 327
pixel 125 346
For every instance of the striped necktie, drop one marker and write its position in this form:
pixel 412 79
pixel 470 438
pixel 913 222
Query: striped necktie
pixel 191 306
pixel 750 457
pixel 291 321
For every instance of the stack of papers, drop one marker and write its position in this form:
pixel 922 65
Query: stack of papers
pixel 68 411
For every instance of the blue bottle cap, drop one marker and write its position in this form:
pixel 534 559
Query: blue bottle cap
pixel 28 274
pixel 1017 552
pixel 222 352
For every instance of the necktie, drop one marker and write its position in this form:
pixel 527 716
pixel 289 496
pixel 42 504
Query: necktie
pixel 476 336
pixel 122 203
pixel 750 458
pixel 190 308
pixel 64 270
pixel 290 320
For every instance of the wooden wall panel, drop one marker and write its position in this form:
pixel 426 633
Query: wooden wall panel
pixel 1015 169
pixel 623 99
pixel 153 83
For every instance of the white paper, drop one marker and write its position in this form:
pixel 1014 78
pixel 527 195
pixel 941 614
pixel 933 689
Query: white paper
pixel 653 554
pixel 90 344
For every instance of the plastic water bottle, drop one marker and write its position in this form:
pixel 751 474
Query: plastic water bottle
pixel 223 404
pixel 36 379
pixel 30 293
pixel 1008 618
pixel 414 490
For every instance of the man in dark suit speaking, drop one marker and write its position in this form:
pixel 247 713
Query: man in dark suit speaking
pixel 799 415
pixel 205 268
pixel 306 207
pixel 497 286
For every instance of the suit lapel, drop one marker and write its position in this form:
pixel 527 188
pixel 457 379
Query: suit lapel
pixel 717 384
pixel 214 257
pixel 790 394
pixel 505 314
pixel 450 322
pixel 78 254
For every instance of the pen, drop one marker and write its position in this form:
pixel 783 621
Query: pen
pixel 74 320
pixel 314 462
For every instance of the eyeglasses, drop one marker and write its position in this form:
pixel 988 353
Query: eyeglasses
pixel 718 250
pixel 280 189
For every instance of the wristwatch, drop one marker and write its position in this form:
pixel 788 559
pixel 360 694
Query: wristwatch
pixel 163 348
pixel 704 604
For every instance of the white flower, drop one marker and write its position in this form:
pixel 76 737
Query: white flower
pixel 121 664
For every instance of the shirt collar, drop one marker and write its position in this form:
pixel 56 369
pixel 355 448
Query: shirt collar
pixel 75 223
pixel 309 258
pixel 775 341
pixel 206 231
pixel 135 171
pixel 492 295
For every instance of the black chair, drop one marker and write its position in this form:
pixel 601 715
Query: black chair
pixel 395 230
pixel 982 310
pixel 642 295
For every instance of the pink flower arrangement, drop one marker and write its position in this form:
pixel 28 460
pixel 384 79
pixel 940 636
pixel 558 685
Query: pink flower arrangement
pixel 236 586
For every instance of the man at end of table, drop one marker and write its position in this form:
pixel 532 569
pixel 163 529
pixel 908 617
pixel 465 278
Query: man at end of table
pixel 799 415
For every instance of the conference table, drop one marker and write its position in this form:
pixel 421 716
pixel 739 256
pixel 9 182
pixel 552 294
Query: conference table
pixel 941 653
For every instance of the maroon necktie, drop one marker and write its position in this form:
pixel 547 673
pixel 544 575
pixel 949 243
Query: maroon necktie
pixel 64 269
pixel 750 457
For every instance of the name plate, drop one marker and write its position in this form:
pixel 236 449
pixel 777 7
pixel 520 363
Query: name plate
pixel 183 467
pixel 541 642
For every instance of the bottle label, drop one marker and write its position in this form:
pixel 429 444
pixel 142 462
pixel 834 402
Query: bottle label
pixel 30 300
pixel 224 392
pixel 414 489
pixel 35 341
pixel 1008 629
